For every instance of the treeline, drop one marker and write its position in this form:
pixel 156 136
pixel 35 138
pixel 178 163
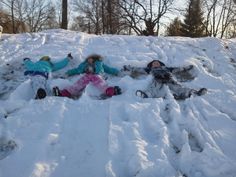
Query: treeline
pixel 196 18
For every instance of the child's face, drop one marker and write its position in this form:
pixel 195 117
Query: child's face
pixel 156 64
pixel 90 60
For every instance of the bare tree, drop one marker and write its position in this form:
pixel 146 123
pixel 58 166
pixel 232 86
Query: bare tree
pixel 219 16
pixel 146 13
pixel 10 4
pixel 90 13
pixel 36 14
pixel 6 22
pixel 99 16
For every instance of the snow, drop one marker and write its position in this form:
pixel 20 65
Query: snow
pixel 125 135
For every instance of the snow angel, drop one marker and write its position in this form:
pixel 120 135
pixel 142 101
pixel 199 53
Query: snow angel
pixel 162 75
pixel 92 69
pixel 39 73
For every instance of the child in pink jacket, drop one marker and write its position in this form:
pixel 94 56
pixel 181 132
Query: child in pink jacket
pixel 92 69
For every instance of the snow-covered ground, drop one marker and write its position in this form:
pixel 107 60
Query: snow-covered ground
pixel 124 136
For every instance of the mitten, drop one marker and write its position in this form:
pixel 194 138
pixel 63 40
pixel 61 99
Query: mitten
pixel 69 56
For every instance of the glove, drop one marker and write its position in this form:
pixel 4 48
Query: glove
pixel 69 56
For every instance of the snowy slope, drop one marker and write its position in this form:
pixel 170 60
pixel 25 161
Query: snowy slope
pixel 123 136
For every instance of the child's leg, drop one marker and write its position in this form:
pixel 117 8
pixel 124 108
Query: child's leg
pixel 155 89
pixel 179 91
pixel 99 82
pixel 38 82
pixel 78 86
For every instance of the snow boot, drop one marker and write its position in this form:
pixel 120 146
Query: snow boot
pixel 117 90
pixel 56 91
pixel 200 92
pixel 141 94
pixel 181 96
pixel 41 93
pixel 188 68
pixel 111 91
pixel 62 93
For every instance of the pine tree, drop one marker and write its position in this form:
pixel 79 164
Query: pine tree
pixel 193 25
pixel 174 29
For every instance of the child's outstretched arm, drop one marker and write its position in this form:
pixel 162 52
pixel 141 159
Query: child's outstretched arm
pixel 61 64
pixel 28 63
pixel 134 71
pixel 78 70
pixel 110 70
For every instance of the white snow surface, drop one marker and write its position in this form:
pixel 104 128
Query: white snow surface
pixel 124 136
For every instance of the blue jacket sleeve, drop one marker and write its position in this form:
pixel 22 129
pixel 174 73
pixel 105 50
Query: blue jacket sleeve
pixel 28 64
pixel 110 70
pixel 59 65
pixel 78 70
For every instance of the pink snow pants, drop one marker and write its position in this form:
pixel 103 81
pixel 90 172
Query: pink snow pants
pixel 96 80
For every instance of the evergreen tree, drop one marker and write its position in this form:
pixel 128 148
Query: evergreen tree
pixel 193 25
pixel 174 29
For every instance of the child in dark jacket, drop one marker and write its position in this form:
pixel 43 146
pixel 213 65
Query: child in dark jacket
pixel 182 74
pixel 92 69
pixel 163 76
pixel 40 71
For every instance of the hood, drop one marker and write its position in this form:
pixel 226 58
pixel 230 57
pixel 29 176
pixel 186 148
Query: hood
pixel 95 57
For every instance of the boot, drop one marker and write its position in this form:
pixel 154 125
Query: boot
pixel 41 93
pixel 200 92
pixel 56 91
pixel 141 94
pixel 117 90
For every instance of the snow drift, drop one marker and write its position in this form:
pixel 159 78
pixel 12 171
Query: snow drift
pixel 125 135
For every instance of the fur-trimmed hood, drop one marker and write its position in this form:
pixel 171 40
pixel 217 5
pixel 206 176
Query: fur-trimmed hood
pixel 95 57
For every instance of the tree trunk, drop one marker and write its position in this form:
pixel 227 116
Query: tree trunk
pixel 64 22
pixel 13 18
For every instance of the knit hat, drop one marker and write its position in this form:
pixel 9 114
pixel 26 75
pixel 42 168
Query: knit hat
pixel 149 65
pixel 45 58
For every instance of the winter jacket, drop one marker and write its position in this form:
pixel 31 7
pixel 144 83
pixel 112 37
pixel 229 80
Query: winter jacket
pixel 100 68
pixel 162 74
pixel 45 66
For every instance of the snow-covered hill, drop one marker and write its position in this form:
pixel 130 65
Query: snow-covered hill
pixel 124 136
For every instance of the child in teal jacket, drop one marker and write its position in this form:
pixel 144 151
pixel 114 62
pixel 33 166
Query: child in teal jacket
pixel 40 71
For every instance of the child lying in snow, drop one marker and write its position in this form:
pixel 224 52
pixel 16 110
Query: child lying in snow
pixel 92 69
pixel 163 76
pixel 182 74
pixel 39 73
